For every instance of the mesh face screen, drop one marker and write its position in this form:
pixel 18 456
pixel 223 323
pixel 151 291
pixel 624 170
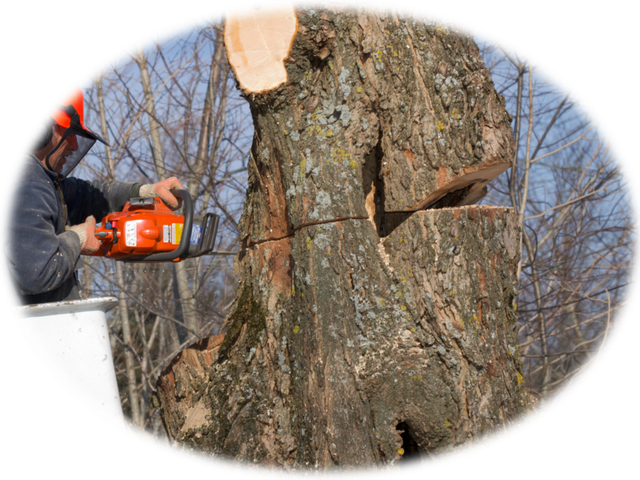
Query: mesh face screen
pixel 84 145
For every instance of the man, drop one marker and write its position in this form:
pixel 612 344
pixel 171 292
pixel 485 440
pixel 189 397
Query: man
pixel 54 215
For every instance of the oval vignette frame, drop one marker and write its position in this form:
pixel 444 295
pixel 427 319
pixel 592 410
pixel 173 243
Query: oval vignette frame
pixel 583 434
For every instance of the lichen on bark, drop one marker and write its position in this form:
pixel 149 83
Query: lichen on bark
pixel 364 323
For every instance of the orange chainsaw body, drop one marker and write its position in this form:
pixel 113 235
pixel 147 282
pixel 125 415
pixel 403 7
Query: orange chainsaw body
pixel 139 230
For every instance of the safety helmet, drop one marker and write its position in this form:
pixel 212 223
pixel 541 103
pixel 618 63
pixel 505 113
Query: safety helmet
pixel 72 97
pixel 71 117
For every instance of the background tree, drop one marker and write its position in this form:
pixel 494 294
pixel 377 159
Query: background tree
pixel 168 112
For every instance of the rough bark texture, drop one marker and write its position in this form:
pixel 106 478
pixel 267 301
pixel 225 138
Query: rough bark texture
pixel 364 331
pixel 181 383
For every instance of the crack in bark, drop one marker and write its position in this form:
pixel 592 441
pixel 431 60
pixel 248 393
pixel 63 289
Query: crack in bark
pixel 423 84
pixel 300 227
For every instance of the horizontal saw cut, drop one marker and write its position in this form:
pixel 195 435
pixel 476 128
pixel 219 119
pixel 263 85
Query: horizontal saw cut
pixel 257 45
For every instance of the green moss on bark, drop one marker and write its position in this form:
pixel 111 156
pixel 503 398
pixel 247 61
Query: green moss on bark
pixel 248 313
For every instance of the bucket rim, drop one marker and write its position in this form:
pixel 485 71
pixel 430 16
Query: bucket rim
pixel 104 304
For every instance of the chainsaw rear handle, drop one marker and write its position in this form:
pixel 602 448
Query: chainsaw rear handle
pixel 183 249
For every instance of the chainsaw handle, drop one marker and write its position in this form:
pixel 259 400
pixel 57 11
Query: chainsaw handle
pixel 183 249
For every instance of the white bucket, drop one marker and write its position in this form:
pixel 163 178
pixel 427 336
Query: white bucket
pixel 74 335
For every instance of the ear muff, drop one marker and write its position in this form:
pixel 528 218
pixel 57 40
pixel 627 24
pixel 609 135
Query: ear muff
pixel 42 135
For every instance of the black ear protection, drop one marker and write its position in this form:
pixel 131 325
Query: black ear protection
pixel 41 135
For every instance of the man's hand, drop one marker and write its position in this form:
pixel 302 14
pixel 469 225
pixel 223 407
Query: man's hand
pixel 86 233
pixel 163 191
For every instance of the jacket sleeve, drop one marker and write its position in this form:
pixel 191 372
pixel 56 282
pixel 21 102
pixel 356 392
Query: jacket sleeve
pixel 97 198
pixel 40 259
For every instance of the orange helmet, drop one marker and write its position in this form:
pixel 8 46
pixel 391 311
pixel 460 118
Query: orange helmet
pixel 72 97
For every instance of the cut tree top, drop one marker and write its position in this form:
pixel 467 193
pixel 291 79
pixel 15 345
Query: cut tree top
pixel 257 46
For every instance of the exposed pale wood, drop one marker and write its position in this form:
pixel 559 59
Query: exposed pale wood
pixel 257 45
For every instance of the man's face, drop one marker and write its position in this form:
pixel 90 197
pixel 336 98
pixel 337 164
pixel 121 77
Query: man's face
pixel 69 145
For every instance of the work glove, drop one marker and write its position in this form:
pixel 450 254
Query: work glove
pixel 86 233
pixel 162 190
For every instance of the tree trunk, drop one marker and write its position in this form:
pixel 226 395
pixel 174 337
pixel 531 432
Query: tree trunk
pixel 366 329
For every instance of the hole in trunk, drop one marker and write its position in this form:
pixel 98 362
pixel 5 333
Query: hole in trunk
pixel 409 445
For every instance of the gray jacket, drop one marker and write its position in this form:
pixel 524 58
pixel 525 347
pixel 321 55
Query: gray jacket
pixel 43 257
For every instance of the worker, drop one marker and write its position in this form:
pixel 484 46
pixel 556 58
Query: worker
pixel 54 216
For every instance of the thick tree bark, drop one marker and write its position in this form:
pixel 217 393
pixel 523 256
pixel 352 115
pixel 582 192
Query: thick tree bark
pixel 181 408
pixel 367 328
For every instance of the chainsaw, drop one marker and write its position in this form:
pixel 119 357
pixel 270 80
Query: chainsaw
pixel 146 230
